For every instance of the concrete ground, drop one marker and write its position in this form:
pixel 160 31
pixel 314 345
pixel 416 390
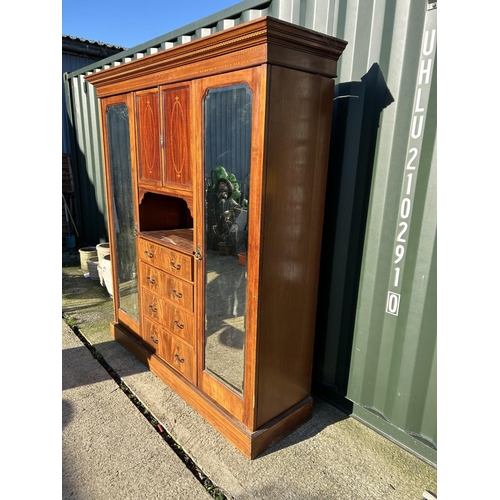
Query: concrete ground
pixel 118 420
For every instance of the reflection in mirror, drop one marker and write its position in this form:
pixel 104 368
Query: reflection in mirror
pixel 123 203
pixel 227 136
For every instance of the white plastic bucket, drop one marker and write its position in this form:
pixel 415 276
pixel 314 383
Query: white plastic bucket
pixel 107 274
pixel 102 250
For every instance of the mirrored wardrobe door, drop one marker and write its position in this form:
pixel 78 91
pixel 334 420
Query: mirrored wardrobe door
pixel 227 124
pixel 227 112
pixel 122 226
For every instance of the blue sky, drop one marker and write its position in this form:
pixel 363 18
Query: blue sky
pixel 128 23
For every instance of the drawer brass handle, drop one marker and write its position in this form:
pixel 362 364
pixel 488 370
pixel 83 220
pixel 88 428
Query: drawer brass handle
pixel 179 325
pixel 153 308
pixel 174 266
pixel 178 295
pixel 151 280
pixel 154 340
pixel 148 253
pixel 178 358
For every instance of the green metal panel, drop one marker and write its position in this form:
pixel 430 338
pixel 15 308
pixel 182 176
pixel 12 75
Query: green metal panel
pixel 392 378
pixel 379 366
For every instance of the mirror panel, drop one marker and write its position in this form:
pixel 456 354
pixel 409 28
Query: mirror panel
pixel 227 114
pixel 123 208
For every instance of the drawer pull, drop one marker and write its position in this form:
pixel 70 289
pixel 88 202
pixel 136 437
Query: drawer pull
pixel 148 254
pixel 151 280
pixel 178 358
pixel 179 325
pixel 174 266
pixel 153 339
pixel 178 295
pixel 153 308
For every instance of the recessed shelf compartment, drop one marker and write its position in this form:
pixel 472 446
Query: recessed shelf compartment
pixel 161 212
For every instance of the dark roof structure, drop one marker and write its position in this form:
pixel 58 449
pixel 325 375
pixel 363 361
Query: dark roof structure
pixel 89 48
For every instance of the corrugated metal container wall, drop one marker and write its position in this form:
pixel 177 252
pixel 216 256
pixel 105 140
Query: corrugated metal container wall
pixel 391 378
pixel 88 175
pixel 392 375
pixel 70 63
pixel 383 363
pixel 383 358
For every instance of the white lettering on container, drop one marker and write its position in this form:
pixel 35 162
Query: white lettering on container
pixel 410 179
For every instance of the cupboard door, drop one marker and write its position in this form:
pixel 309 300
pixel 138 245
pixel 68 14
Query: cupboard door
pixel 176 149
pixel 148 136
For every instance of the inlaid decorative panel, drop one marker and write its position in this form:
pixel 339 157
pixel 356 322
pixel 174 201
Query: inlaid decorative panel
pixel 176 147
pixel 148 136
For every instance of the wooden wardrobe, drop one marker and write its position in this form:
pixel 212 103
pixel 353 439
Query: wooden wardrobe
pixel 216 155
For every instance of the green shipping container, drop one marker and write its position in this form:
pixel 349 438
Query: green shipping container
pixel 392 376
pixel 377 312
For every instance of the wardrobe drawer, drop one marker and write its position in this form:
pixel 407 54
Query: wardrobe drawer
pixel 178 264
pixel 151 334
pixel 179 292
pixel 178 355
pixel 167 259
pixel 179 322
pixel 153 307
pixel 152 278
